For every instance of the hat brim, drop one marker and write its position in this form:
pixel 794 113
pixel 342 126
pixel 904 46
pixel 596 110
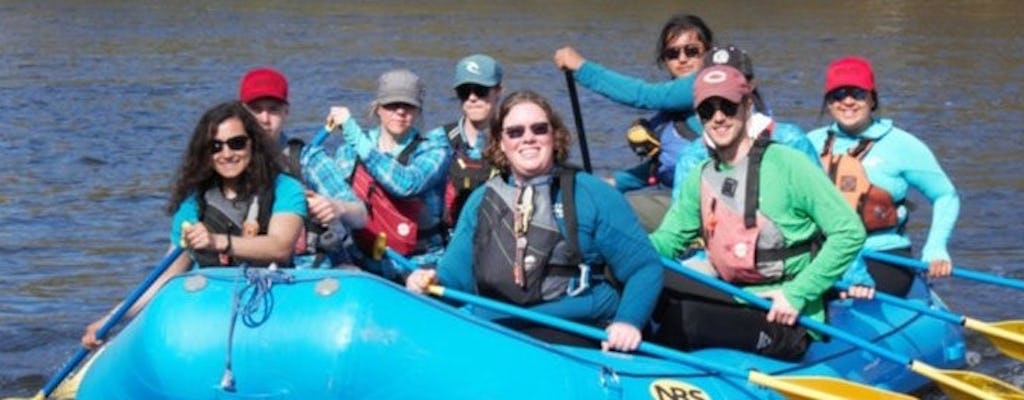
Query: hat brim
pixel 481 82
pixel 399 99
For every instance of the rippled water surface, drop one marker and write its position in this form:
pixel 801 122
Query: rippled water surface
pixel 97 98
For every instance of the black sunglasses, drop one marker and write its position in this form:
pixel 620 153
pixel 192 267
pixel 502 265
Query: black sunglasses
pixel 235 143
pixel 707 109
pixel 672 53
pixel 841 93
pixel 517 131
pixel 480 91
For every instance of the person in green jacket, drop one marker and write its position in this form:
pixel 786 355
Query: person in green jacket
pixel 759 237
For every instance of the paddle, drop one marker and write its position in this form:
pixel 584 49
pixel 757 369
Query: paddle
pixel 957 271
pixel 791 387
pixel 114 318
pixel 956 384
pixel 1006 336
pixel 321 135
pixel 578 118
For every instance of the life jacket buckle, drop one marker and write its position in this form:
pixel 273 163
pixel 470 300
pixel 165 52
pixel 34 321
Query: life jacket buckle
pixel 579 285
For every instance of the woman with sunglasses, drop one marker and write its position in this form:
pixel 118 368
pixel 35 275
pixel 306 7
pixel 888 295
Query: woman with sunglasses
pixel 544 236
pixel 397 171
pixel 478 88
pixel 232 203
pixel 680 50
pixel 874 163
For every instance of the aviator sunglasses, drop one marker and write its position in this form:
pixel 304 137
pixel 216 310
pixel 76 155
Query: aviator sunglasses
pixel 480 91
pixel 517 131
pixel 707 109
pixel 672 53
pixel 235 143
pixel 841 93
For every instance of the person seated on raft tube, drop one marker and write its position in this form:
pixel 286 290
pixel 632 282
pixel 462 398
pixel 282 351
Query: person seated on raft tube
pixel 541 235
pixel 757 236
pixel 761 120
pixel 874 163
pixel 680 49
pixel 396 170
pixel 478 88
pixel 264 91
pixel 232 203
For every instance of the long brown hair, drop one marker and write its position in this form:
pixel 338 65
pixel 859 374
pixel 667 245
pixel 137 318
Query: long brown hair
pixel 562 139
pixel 196 173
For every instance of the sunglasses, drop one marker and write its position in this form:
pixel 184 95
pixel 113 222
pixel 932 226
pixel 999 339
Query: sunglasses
pixel 480 91
pixel 236 143
pixel 517 131
pixel 672 53
pixel 844 92
pixel 707 109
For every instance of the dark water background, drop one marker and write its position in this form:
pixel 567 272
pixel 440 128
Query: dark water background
pixel 97 99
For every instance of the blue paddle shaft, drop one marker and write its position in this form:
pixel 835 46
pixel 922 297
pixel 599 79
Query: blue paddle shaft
pixel 112 320
pixel 765 304
pixel 957 271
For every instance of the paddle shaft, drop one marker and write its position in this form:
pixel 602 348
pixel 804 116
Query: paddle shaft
pixel 957 271
pixel 114 318
pixel 321 136
pixel 570 82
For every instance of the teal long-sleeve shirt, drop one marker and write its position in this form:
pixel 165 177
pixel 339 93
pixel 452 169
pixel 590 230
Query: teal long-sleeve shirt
pixel 897 162
pixel 802 203
pixel 673 95
pixel 609 234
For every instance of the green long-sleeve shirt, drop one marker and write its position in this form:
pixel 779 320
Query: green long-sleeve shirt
pixel 802 203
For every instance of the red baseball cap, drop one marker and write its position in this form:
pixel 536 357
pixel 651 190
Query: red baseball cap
pixel 263 82
pixel 720 81
pixel 849 71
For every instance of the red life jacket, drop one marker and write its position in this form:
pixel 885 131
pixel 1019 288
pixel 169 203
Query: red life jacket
pixel 392 219
pixel 875 205
pixel 742 244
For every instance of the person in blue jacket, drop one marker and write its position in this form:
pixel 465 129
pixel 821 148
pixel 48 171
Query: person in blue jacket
pixel 231 201
pixel 874 164
pixel 680 49
pixel 760 122
pixel 544 236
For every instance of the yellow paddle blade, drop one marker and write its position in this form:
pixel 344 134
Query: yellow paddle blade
pixel 1006 336
pixel 821 388
pixel 967 385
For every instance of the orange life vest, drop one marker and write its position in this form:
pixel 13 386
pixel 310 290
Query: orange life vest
pixel 875 206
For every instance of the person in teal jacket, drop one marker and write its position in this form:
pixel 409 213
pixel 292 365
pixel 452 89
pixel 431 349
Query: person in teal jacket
pixel 547 237
pixel 680 49
pixel 761 121
pixel 874 164
pixel 760 210
pixel 231 167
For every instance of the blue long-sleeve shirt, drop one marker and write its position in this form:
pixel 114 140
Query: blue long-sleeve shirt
pixel 896 162
pixel 609 235
pixel 673 95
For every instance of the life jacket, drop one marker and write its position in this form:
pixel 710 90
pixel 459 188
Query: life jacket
pixel 314 238
pixel 874 205
pixel 550 262
pixel 223 216
pixel 391 222
pixel 743 245
pixel 464 175
pixel 662 139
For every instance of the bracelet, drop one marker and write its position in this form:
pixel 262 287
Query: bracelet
pixel 227 249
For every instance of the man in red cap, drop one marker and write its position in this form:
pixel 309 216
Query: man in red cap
pixel 264 91
pixel 757 236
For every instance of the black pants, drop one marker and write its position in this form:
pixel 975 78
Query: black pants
pixel 548 334
pixel 692 316
pixel 891 279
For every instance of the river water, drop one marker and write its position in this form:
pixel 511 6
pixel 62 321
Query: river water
pixel 97 99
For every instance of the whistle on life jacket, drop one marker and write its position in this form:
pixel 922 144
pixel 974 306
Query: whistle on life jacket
pixel 642 139
pixel 379 245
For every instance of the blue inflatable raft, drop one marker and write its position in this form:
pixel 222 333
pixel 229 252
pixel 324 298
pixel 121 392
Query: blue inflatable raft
pixel 331 334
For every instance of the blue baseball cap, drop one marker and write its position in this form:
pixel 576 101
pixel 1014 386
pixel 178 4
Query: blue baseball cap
pixel 480 69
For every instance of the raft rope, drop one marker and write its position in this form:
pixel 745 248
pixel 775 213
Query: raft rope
pixel 255 310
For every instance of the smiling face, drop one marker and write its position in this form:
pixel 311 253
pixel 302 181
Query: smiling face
pixel 229 162
pixel 851 112
pixel 724 121
pixel 533 153
pixel 688 51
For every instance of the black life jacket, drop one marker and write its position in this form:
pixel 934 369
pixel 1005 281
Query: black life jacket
pixel 311 239
pixel 553 260
pixel 223 216
pixel 464 175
